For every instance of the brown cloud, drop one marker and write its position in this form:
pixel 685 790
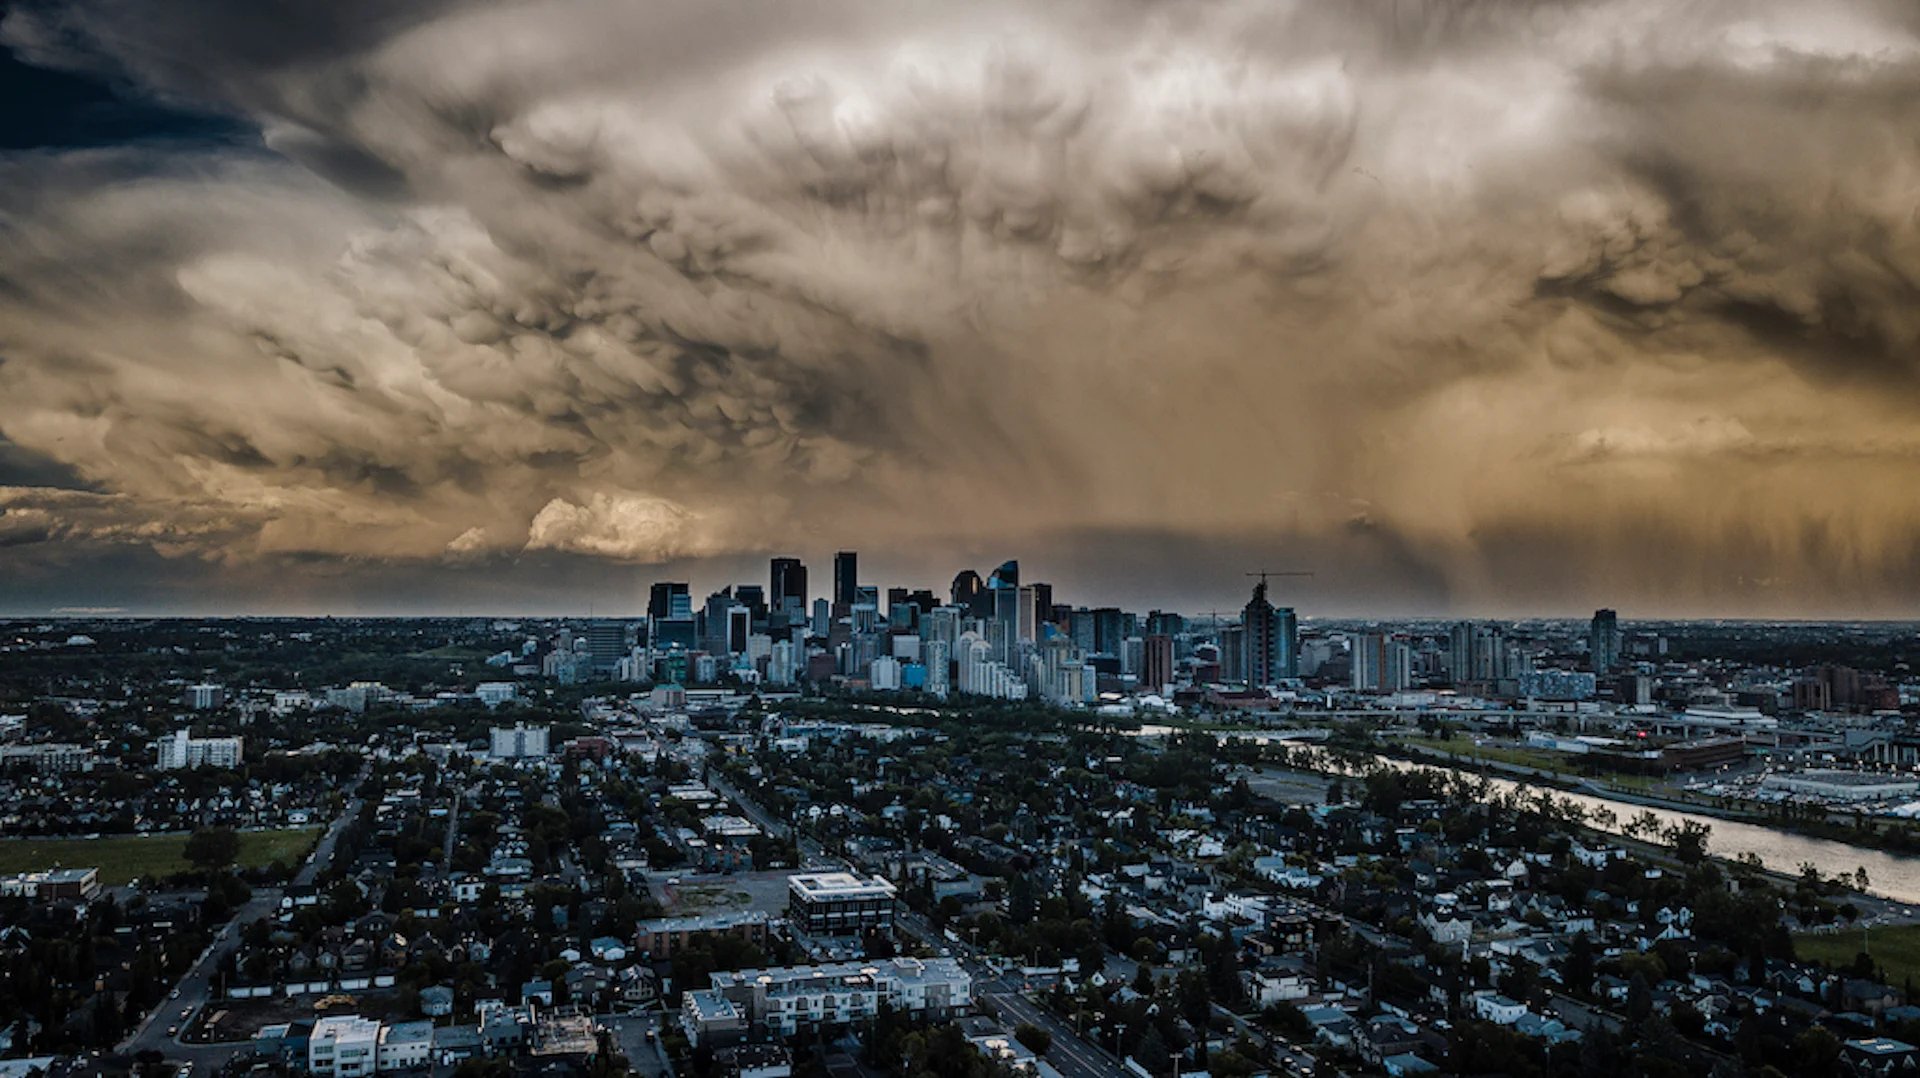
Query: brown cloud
pixel 1567 300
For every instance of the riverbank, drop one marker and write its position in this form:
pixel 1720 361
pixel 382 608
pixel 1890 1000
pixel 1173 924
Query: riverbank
pixel 1897 840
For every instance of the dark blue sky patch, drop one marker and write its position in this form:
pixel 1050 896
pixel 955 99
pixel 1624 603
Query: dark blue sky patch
pixel 43 109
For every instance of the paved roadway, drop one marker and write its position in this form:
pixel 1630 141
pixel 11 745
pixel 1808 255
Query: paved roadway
pixel 1071 1054
pixel 194 991
pixel 648 1057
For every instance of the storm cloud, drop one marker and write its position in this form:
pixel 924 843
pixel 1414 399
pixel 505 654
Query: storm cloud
pixel 1531 305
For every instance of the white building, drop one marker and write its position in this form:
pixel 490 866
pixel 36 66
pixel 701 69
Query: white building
pixel 405 1045
pixel 346 1047
pixel 885 674
pixel 495 693
pixel 181 749
pixel 518 742
pixel 937 655
pixel 786 1001
pixel 781 668
pixel 1497 1008
pixel 205 697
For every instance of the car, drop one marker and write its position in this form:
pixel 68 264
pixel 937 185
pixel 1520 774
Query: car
pixel 173 1031
pixel 184 1011
pixel 175 995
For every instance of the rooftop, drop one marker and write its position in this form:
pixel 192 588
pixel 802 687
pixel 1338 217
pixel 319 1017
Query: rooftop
pixel 826 886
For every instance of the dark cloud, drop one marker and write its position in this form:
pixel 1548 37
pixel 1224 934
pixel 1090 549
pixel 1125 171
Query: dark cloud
pixel 1476 305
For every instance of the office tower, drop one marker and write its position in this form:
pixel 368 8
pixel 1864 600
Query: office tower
pixel 1286 643
pixel 822 618
pixel 739 628
pixel 669 600
pixel 846 580
pixel 787 581
pixel 884 674
pixel 1156 661
pixel 1027 613
pixel 1109 629
pixel 1080 629
pixel 1007 576
pixel 966 585
pixel 1165 624
pixel 923 598
pixel 606 645
pixel 754 598
pixel 1133 655
pixel 868 594
pixel 866 618
pixel 1042 606
pixel 1603 641
pixel 713 622
pixel 1005 630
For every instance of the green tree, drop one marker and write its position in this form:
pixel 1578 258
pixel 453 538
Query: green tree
pixel 1039 1040
pixel 213 848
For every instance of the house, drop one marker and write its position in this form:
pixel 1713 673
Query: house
pixel 1408 1065
pixel 1270 985
pixel 1446 929
pixel 436 1002
pixel 404 1046
pixel 1879 1056
pixel 1498 1009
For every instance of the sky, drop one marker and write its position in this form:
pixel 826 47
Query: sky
pixel 1469 307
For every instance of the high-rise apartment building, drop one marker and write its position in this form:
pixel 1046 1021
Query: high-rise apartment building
pixel 1271 640
pixel 1156 661
pixel 1381 663
pixel 518 742
pixel 180 750
pixel 1603 641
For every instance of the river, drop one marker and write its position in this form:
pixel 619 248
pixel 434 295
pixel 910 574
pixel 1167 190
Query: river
pixel 1889 875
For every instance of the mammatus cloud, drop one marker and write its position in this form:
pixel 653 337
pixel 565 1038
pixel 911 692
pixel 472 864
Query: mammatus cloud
pixel 1608 299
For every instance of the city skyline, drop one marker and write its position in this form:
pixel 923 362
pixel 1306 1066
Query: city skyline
pixel 1493 309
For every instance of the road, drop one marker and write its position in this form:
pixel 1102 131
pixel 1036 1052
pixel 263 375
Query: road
pixel 453 829
pixel 630 1031
pixel 1069 1054
pixel 812 855
pixel 194 991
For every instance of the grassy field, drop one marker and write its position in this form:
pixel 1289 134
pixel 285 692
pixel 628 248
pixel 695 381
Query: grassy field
pixel 125 857
pixel 1465 750
pixel 1895 948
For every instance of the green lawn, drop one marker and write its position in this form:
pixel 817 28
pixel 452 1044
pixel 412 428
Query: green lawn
pixel 1896 948
pixel 125 857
